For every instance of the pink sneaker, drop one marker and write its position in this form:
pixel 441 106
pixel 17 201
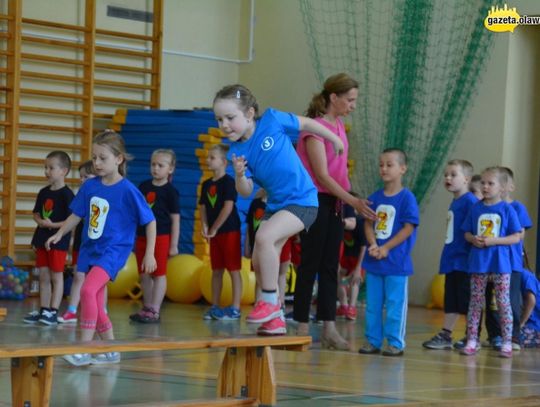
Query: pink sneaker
pixel 275 326
pixel 341 311
pixel 506 351
pixel 351 313
pixel 263 312
pixel 68 318
pixel 470 349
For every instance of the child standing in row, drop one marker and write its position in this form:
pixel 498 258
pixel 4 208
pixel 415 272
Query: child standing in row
pixel 221 226
pixel 455 254
pixel 111 207
pixel 86 171
pixel 162 197
pixel 388 261
pixel 263 147
pixel 50 212
pixel 491 226
pixel 350 263
pixel 529 321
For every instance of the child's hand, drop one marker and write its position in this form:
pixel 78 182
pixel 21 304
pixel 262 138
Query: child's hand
pixel 149 264
pixel 53 240
pixel 383 253
pixel 211 233
pixel 204 231
pixel 479 241
pixel 490 241
pixel 356 278
pixel 46 223
pixel 373 250
pixel 239 165
pixel 339 147
pixel 173 251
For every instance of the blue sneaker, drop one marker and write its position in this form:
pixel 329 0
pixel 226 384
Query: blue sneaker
pixel 496 343
pixel 231 314
pixel 214 313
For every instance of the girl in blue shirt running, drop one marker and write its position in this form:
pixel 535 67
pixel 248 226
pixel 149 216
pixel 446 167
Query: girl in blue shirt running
pixel 263 146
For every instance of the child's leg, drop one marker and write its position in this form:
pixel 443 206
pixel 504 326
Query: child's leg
pixel 217 285
pixel 478 290
pixel 92 308
pixel 342 287
pixel 104 326
pixel 57 279
pixel 158 292
pixel 502 294
pixel 493 326
pixel 529 337
pixel 282 280
pixel 45 290
pixel 396 300
pixel 75 293
pixel 354 288
pixel 147 283
pixel 516 303
pixel 236 280
pixel 374 309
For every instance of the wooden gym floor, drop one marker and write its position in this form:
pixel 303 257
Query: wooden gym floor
pixel 314 378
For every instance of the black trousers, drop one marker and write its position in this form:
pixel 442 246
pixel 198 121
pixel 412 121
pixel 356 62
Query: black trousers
pixel 320 256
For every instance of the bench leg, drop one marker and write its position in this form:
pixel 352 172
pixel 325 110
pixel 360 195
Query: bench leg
pixel 31 380
pixel 248 372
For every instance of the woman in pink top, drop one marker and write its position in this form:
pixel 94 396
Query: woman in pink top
pixel 321 244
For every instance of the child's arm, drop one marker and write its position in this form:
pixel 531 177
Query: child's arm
pixel 175 234
pixel 228 207
pixel 529 302
pixel 356 277
pixel 42 223
pixel 476 241
pixel 349 223
pixel 149 264
pixel 244 185
pixel 247 247
pixel 502 241
pixel 204 221
pixel 67 226
pixel 399 237
pixel 373 248
pixel 312 126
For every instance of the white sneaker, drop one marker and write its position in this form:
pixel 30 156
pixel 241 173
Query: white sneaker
pixel 78 359
pixel 103 358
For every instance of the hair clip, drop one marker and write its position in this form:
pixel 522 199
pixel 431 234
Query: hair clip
pixel 238 94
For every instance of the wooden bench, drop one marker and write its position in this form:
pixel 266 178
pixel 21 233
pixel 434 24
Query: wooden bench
pixel 246 376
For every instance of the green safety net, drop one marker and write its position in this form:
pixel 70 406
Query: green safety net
pixel 418 62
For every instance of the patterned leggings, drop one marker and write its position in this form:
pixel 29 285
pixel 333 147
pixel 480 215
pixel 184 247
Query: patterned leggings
pixel 501 284
pixel 530 338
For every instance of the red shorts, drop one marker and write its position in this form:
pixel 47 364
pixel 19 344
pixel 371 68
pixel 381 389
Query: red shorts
pixel 54 259
pixel 161 253
pixel 225 251
pixel 286 251
pixel 74 257
pixel 296 251
pixel 349 263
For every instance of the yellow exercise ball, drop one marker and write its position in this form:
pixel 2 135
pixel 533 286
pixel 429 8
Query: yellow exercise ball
pixel 206 286
pixel 248 283
pixel 183 275
pixel 437 292
pixel 126 280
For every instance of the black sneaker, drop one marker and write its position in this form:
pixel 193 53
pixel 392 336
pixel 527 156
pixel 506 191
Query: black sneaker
pixel 368 349
pixel 49 317
pixel 459 345
pixel 438 342
pixel 392 351
pixel 32 317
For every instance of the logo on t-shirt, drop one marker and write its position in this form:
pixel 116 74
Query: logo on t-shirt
pixel 267 143
pixel 348 238
pixel 489 225
pixel 212 195
pixel 257 218
pixel 386 215
pixel 99 209
pixel 151 199
pixel 47 209
pixel 449 228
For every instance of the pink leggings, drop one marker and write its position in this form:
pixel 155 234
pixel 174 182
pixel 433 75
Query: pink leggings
pixel 93 315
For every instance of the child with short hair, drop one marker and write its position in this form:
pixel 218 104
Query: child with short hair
pixel 516 259
pixel 221 226
pixel 491 226
pixel 388 260
pixel 475 186
pixel 254 218
pixel 529 321
pixel 455 254
pixel 162 197
pixel 263 146
pixel 111 207
pixel 86 171
pixel 350 263
pixel 50 212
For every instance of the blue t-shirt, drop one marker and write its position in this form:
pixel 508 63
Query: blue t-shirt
pixel 516 250
pixel 455 254
pixel 274 164
pixel 393 212
pixel 213 197
pixel 111 215
pixel 529 282
pixel 53 205
pixel 498 220
pixel 164 201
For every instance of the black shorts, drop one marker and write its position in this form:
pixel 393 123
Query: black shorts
pixel 457 292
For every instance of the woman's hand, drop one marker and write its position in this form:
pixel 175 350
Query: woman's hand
pixel 363 207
